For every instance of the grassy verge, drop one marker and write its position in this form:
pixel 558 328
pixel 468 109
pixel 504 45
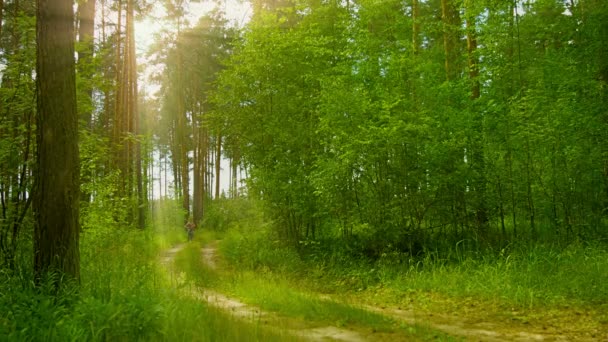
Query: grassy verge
pixel 550 287
pixel 274 292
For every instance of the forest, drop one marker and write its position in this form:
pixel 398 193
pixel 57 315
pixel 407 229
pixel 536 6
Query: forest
pixel 357 170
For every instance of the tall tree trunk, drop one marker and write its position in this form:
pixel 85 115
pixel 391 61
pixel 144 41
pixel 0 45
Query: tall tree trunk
pixel 56 232
pixel 451 23
pixel 477 148
pixel 234 180
pixel 1 15
pixel 86 31
pixel 218 160
pixel 198 192
pixel 509 155
pixel 134 116
pixel 127 110
pixel 118 106
pixel 166 182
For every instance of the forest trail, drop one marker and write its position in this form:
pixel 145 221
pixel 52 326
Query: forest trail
pixel 492 331
pixel 455 326
pixel 244 311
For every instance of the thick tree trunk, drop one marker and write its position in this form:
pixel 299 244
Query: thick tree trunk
pixel 56 233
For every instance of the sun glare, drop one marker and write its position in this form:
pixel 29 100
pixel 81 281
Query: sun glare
pixel 237 12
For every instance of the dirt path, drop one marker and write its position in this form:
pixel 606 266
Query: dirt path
pixel 248 312
pixel 458 327
pixel 455 326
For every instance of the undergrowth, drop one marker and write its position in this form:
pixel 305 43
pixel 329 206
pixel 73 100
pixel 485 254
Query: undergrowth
pixel 525 276
pixel 124 296
pixel 274 292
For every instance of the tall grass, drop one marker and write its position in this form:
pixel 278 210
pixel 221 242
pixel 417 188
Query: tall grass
pixel 528 277
pixel 525 275
pixel 273 291
pixel 124 296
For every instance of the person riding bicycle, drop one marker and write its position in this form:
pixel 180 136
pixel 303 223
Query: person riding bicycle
pixel 190 226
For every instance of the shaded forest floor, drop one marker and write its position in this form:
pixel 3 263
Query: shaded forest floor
pixel 377 313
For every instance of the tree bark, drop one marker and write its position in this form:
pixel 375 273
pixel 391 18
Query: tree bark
pixel 451 22
pixel 477 148
pixel 1 15
pixel 133 114
pixel 56 202
pixel 86 31
pixel 218 160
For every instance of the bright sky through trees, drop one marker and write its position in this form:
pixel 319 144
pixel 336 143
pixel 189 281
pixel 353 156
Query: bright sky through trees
pixel 236 11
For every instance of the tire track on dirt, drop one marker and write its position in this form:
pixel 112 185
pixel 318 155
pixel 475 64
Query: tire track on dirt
pixel 454 326
pixel 252 313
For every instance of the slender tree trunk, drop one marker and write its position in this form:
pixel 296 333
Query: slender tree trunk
pixel 415 46
pixel 218 160
pixel 181 135
pixel 472 50
pixel 57 192
pixel 234 181
pixel 160 175
pixel 477 148
pixel 118 124
pixel 86 31
pixel 451 22
pixel 509 155
pixel 1 15
pixel 135 120
pixel 204 150
pixel 198 192
pixel 530 199
pixel 127 111
pixel 166 181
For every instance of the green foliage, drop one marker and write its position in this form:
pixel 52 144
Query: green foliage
pixel 342 123
pixel 522 275
pixel 124 296
pixel 17 131
pixel 223 214
pixel 241 247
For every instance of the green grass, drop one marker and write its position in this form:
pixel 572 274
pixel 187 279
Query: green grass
pixel 275 292
pixel 530 282
pixel 526 277
pixel 540 276
pixel 124 296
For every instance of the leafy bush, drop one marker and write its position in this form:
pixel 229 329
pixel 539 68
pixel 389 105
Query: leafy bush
pixel 223 214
